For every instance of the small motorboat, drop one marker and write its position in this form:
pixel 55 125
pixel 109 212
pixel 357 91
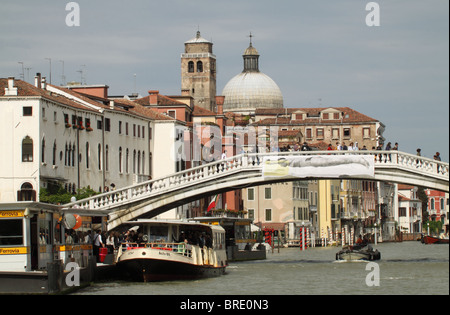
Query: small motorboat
pixel 358 252
pixel 427 239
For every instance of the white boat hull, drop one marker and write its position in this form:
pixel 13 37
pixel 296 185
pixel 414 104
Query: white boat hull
pixel 149 264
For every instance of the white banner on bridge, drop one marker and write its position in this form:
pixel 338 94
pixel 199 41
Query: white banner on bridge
pixel 319 166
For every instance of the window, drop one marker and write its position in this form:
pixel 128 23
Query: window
pixel 308 133
pixel 120 127
pixel 99 156
pixel 54 153
pixel 43 151
pixel 107 124
pixel 139 162
pixel 107 158
pixel 143 132
pixel 12 232
pixel 99 125
pixel 199 66
pixel 347 133
pixel 27 149
pixel 251 194
pixel 366 132
pixel 73 154
pixel 319 133
pixel 134 130
pixel 134 161
pixel 172 114
pixel 127 158
pixel 191 67
pixel 87 155
pixel 26 193
pixel 87 122
pixel 268 213
pixel 326 116
pixel 268 193
pixel 120 159
pixel 251 213
pixel 27 111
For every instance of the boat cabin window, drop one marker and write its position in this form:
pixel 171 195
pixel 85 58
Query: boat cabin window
pixel 45 229
pixel 219 240
pixel 242 232
pixel 159 234
pixel 11 231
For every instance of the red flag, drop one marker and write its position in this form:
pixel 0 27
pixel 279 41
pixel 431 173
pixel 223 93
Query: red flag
pixel 212 203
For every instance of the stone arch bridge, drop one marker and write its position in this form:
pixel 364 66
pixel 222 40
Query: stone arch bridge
pixel 154 197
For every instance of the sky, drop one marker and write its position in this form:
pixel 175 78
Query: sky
pixel 320 53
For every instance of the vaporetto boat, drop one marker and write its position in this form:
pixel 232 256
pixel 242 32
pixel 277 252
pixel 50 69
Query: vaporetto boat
pixel 172 250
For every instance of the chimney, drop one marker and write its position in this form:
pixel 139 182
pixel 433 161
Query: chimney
pixel 111 104
pixel 11 90
pixel 44 83
pixel 219 101
pixel 153 99
pixel 37 80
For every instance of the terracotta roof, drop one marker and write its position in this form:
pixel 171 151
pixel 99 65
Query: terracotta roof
pixel 25 89
pixel 121 105
pixel 149 113
pixel 313 115
pixel 199 111
pixel 162 100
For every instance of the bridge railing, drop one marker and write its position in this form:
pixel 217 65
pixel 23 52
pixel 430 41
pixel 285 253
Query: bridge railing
pixel 251 161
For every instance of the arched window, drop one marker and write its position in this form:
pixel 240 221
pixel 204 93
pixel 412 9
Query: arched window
pixel 107 158
pixel 191 67
pixel 99 156
pixel 54 153
pixel 87 155
pixel 43 151
pixel 139 162
pixel 73 154
pixel 26 193
pixel 199 66
pixel 127 158
pixel 120 159
pixel 66 155
pixel 143 162
pixel 27 149
pixel 134 161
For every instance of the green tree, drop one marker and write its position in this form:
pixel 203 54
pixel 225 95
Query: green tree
pixel 56 194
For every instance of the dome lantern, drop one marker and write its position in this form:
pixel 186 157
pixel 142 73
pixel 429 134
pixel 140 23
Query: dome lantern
pixel 251 89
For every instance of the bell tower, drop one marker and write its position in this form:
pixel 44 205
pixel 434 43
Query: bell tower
pixel 198 72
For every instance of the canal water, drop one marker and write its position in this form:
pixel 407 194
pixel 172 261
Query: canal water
pixel 406 268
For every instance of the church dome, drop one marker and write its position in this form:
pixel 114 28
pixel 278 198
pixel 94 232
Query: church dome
pixel 251 89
